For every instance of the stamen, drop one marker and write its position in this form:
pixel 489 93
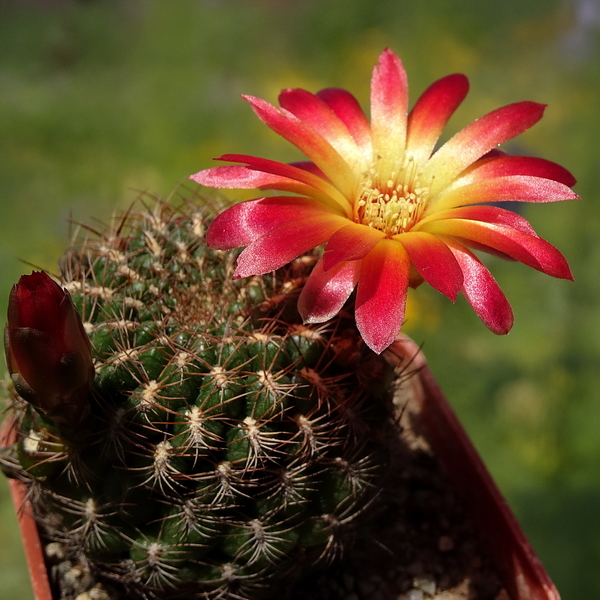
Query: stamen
pixel 393 207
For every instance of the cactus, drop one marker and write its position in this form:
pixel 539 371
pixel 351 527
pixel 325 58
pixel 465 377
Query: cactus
pixel 222 449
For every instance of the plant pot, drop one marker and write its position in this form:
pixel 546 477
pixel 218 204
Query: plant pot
pixel 425 412
pixel 520 570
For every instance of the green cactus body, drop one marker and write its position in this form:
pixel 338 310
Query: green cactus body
pixel 227 443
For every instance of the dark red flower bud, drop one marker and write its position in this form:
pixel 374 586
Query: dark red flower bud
pixel 48 353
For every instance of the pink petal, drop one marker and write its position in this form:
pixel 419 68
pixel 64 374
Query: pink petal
pixel 315 112
pixel 503 166
pixel 282 245
pixel 347 108
pixel 434 261
pixel 243 223
pixel 307 165
pixel 309 141
pixel 472 142
pixel 351 242
pixel 430 114
pixel 494 153
pixel 519 188
pixel 389 108
pixel 300 172
pixel 486 214
pixel 528 249
pixel 240 177
pixel 483 292
pixel 324 293
pixel 381 294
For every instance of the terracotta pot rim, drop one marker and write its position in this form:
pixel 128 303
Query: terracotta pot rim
pixel 32 545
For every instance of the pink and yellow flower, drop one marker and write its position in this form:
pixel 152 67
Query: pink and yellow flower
pixel 391 210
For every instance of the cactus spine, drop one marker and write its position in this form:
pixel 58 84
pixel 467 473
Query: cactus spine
pixel 225 445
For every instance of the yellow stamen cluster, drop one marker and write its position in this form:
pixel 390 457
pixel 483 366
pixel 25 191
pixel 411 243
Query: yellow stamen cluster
pixel 394 205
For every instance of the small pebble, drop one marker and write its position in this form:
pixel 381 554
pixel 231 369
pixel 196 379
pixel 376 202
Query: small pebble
pixel 73 575
pixel 426 583
pixel 98 593
pixel 55 552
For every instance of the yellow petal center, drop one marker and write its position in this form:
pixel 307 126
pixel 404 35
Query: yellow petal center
pixel 394 202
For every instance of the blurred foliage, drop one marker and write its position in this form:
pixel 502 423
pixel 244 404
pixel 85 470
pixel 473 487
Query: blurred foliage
pixel 101 98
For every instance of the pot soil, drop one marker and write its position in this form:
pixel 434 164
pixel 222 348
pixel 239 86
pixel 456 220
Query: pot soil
pixel 440 529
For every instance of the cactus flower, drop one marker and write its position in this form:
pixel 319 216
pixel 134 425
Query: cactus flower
pixel 48 353
pixel 391 210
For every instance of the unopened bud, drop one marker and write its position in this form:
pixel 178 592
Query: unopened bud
pixel 48 353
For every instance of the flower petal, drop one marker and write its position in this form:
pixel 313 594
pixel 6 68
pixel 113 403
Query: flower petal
pixel 434 261
pixel 307 165
pixel 347 108
pixel 323 190
pixel 503 166
pixel 381 294
pixel 482 291
pixel 315 112
pixel 236 177
pixel 528 249
pixel 285 243
pixel 472 142
pixel 352 242
pixel 309 141
pixel 389 108
pixel 241 177
pixel 485 214
pixel 324 293
pixel 241 224
pixel 519 188
pixel 430 114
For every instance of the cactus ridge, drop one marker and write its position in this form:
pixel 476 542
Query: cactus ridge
pixel 227 442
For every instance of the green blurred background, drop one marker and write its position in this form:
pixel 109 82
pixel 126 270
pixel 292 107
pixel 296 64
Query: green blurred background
pixel 101 99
